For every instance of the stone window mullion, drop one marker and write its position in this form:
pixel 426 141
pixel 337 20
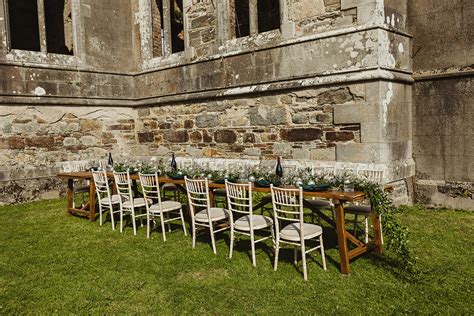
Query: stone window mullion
pixel 42 26
pixel 167 27
pixel 253 16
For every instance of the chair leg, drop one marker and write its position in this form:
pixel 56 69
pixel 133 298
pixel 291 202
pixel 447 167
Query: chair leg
pixel 134 222
pixel 148 219
pixel 121 220
pixel 194 235
pixel 211 230
pixel 295 255
pixel 366 230
pixel 182 221
pixel 252 244
pixel 303 257
pixel 112 217
pixel 323 256
pixel 277 250
pixel 163 229
pixel 100 214
pixel 231 248
pixel 381 233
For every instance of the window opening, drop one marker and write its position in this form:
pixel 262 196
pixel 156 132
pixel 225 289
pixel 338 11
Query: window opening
pixel 177 26
pixel 241 18
pixel 58 22
pixel 268 15
pixel 158 28
pixel 24 27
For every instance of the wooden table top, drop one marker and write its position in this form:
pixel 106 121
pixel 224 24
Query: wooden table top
pixel 339 195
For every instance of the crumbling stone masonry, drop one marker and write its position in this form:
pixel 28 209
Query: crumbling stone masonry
pixel 310 80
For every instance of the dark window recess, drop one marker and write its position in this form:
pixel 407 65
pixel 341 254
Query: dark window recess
pixel 177 26
pixel 24 29
pixel 157 28
pixel 58 21
pixel 268 15
pixel 242 23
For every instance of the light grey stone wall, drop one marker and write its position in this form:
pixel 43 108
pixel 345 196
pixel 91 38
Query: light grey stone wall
pixel 443 50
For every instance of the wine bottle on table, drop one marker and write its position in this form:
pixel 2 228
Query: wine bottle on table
pixel 174 165
pixel 110 162
pixel 279 169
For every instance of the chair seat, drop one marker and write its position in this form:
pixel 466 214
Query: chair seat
pixel 137 202
pixel 217 213
pixel 219 192
pixel 166 206
pixel 319 203
pixel 259 222
pixel 170 186
pixel 115 199
pixel 358 209
pixel 291 232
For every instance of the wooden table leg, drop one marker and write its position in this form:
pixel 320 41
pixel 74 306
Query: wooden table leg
pixel 91 201
pixel 341 238
pixel 70 195
pixel 377 232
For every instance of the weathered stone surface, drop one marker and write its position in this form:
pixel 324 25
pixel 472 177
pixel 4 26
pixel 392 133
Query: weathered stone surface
pixel 339 136
pixel 301 134
pixel 207 120
pixel 146 137
pixel 188 124
pixel 12 142
pixel 177 136
pixel 165 125
pixel 267 115
pixel 249 138
pixel 225 136
pixel 299 118
pixel 195 137
pixel 40 141
pixel 335 96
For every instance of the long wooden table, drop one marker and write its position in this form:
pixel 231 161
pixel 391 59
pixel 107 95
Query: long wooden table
pixel 338 198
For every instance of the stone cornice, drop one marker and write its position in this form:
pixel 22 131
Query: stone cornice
pixel 342 77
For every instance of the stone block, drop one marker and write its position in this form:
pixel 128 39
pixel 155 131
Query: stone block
pixel 207 120
pixel 339 136
pixel 362 152
pixel 88 140
pixel 70 141
pixel 177 136
pixel 146 137
pixel 300 153
pixel 249 138
pixel 12 142
pixel 323 154
pixel 195 137
pixel 301 134
pixel 252 152
pixel 299 118
pixel 40 141
pixel 225 136
pixel 267 115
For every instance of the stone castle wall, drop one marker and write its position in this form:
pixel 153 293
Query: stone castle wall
pixel 333 85
pixel 443 102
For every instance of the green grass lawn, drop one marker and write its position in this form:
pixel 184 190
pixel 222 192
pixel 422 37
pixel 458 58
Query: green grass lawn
pixel 54 263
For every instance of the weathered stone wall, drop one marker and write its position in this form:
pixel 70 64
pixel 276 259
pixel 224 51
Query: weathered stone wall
pixel 443 52
pixel 334 84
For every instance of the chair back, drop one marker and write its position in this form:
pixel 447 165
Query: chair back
pixel 102 187
pixel 198 194
pixel 239 198
pixel 124 186
pixel 150 188
pixel 287 206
